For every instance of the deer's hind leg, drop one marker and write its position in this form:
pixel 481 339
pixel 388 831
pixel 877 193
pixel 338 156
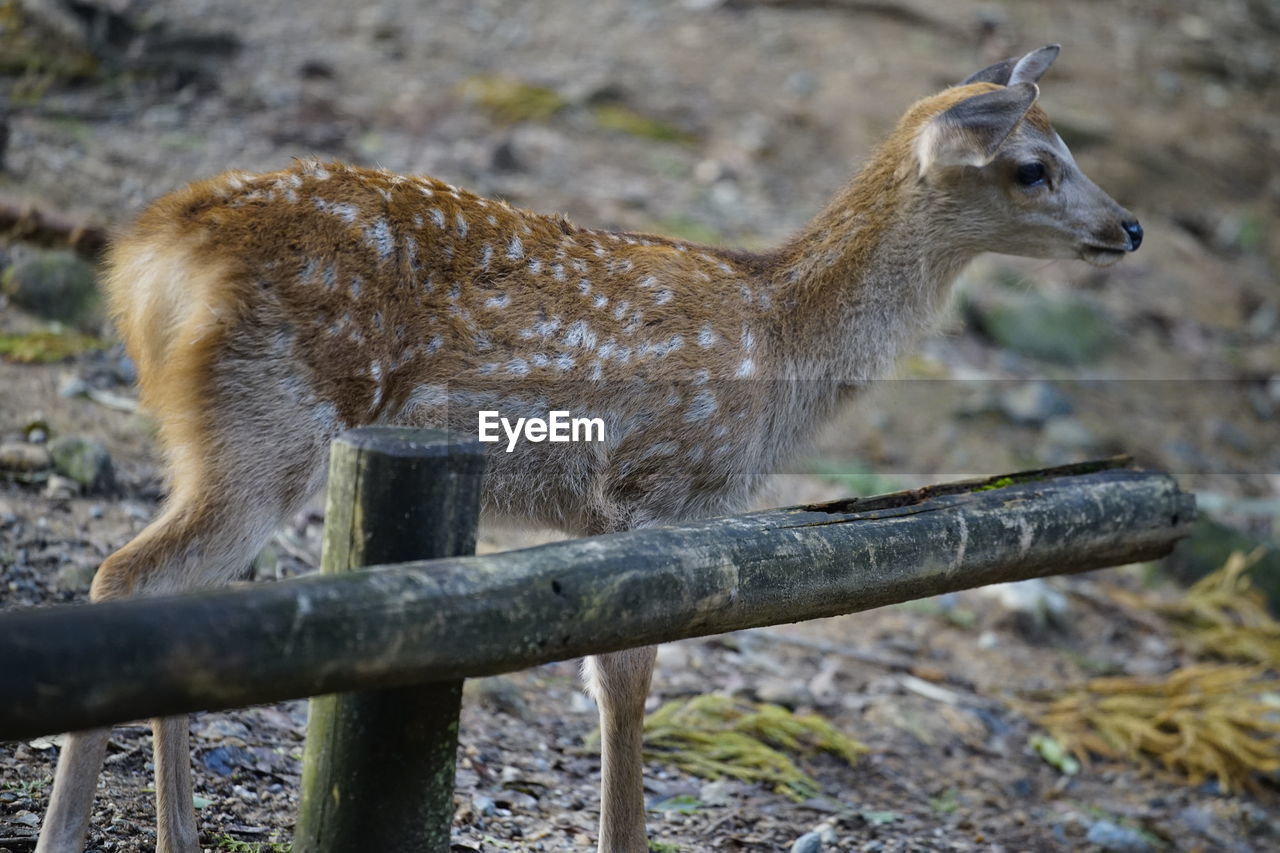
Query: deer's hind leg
pixel 234 479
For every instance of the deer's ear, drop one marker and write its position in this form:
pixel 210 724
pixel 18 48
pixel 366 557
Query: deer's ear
pixel 1030 68
pixel 970 133
pixel 1019 69
pixel 997 73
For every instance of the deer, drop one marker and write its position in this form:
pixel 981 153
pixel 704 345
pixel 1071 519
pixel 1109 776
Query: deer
pixel 267 313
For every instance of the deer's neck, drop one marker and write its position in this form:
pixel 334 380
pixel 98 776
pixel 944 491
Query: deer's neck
pixel 866 277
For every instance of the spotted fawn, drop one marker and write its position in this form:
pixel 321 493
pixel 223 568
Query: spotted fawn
pixel 267 313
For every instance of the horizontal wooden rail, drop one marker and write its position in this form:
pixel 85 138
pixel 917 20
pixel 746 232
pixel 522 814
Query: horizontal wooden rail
pixel 70 668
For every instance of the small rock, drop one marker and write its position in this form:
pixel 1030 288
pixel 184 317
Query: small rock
pixel 810 842
pixel 1070 434
pixel 73 386
pixel 266 566
pixel 60 488
pixel 1034 604
pixel 780 691
pixel 1116 839
pixel 84 460
pixel 24 458
pixel 316 69
pixel 223 729
pixel 499 693
pixel 56 286
pixel 1228 434
pixel 802 83
pixel 36 429
pixel 1067 330
pixel 75 577
pixel 484 806
pixel 717 793
pixel 226 759
pixel 1033 403
pixel 1199 818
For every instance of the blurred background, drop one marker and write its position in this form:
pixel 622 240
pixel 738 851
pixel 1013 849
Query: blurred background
pixel 728 122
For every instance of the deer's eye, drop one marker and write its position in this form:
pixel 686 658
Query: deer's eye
pixel 1031 174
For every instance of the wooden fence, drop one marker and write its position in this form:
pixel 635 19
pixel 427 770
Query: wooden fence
pixel 394 642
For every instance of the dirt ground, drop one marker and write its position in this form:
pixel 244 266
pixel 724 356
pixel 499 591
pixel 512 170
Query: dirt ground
pixel 728 121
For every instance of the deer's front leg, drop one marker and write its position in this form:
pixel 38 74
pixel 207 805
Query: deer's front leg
pixel 619 682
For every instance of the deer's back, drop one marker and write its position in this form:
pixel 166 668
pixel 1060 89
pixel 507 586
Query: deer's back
pixel 403 299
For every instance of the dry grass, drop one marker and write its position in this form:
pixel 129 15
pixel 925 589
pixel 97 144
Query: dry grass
pixel 1201 721
pixel 1211 719
pixel 716 736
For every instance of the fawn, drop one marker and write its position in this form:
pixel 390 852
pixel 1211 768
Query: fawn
pixel 267 313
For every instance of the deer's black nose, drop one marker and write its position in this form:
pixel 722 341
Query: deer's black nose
pixel 1134 230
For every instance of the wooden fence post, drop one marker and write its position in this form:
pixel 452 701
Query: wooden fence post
pixel 378 767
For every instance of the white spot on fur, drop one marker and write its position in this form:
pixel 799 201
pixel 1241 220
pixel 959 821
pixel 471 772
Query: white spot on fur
pixel 518 366
pixel 648 281
pixel 702 406
pixel 460 222
pixel 578 334
pixel 662 297
pixel 346 212
pixel 669 346
pixel 486 256
pixel 535 266
pixel 437 216
pixel 746 368
pixel 601 300
pixel 499 301
pixel 557 270
pixel 515 249
pixel 379 236
pixel 707 337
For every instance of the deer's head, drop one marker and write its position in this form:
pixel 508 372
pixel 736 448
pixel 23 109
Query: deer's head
pixel 990 160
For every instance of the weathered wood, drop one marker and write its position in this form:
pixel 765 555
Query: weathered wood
pixel 379 764
pixel 70 668
pixel 29 224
